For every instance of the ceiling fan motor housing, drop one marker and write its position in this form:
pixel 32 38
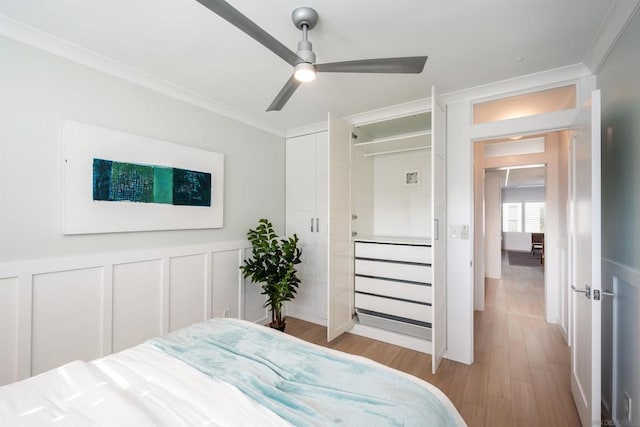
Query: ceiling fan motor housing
pixel 305 51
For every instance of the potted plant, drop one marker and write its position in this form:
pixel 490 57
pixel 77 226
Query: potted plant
pixel 273 265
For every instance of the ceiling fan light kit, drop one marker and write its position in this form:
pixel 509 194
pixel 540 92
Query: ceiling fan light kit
pixel 305 72
pixel 304 60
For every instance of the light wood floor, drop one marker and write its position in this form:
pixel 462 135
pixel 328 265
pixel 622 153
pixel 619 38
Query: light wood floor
pixel 520 376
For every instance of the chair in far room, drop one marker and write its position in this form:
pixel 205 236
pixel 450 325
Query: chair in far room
pixel 537 243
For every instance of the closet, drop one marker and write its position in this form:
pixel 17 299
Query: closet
pixel 385 224
pixel 391 227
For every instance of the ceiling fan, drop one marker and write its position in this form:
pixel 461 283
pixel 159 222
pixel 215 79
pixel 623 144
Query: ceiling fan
pixel 304 60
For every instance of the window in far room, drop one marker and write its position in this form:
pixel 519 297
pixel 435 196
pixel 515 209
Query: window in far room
pixel 515 218
pixel 512 217
pixel 534 217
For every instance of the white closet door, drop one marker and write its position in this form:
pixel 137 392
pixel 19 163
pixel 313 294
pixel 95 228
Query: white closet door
pixel 340 293
pixel 439 237
pixel 301 214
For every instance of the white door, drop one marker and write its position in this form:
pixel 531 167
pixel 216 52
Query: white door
pixel 340 286
pixel 306 216
pixel 585 343
pixel 439 233
pixel 301 214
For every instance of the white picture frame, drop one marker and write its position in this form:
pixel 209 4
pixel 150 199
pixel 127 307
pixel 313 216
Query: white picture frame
pixel 82 143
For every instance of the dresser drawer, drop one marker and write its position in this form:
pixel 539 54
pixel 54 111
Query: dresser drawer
pixel 408 310
pixel 393 252
pixel 392 270
pixel 408 291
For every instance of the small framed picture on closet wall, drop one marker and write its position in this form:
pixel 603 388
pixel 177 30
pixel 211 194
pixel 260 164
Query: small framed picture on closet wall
pixel 412 177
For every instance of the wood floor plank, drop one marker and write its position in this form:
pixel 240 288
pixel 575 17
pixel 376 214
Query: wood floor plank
pixel 498 412
pixel 550 410
pixel 523 405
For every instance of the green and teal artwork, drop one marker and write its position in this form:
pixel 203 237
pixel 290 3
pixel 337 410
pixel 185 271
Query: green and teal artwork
pixel 130 182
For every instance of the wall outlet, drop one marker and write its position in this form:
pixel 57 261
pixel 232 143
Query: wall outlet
pixel 626 406
pixel 226 312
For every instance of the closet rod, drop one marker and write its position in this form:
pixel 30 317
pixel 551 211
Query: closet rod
pixel 426 147
pixel 394 138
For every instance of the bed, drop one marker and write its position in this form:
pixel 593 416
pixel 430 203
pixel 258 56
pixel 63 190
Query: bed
pixel 226 372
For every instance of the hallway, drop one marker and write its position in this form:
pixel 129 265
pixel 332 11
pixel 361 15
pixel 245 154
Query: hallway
pixel 523 359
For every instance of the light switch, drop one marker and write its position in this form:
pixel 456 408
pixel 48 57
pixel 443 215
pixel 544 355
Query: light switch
pixel 464 232
pixel 454 231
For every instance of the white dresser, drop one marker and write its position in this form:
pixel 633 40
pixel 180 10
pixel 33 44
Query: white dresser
pixel 393 285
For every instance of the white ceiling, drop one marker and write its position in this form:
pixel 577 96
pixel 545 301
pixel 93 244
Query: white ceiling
pixel 469 43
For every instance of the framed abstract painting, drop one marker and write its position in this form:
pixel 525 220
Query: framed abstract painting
pixel 117 182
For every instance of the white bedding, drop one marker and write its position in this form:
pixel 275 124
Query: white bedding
pixel 141 386
pixel 145 386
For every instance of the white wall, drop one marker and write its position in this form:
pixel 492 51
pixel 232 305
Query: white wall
pixel 39 90
pixel 618 81
pixel 84 296
pixel 400 209
pixel 492 225
pixel 459 251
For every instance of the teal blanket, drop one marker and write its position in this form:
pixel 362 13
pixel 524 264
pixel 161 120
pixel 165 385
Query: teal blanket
pixel 303 384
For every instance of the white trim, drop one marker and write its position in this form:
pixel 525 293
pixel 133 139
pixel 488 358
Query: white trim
pixel 618 17
pixel 75 262
pixel 621 271
pixel 521 84
pixel 305 316
pixel 41 40
pixel 307 130
pixel 391 112
pixel 547 122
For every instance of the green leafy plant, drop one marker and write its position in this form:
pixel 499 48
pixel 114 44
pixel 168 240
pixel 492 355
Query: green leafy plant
pixel 273 265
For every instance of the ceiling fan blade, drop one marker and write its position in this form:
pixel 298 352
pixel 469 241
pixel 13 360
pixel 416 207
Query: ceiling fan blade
pixel 228 12
pixel 285 93
pixel 411 64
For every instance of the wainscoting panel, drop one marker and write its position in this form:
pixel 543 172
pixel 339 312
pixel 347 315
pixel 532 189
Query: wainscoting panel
pixel 137 303
pixel 226 296
pixel 188 291
pixel 620 340
pixel 67 317
pixel 8 330
pixel 56 310
pixel 253 300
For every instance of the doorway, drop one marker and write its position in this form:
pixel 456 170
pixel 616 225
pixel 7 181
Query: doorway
pixel 536 168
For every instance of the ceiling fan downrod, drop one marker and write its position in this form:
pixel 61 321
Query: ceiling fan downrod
pixel 305 18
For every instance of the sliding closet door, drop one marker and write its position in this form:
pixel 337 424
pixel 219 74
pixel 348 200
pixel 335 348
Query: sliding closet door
pixel 340 250
pixel 439 232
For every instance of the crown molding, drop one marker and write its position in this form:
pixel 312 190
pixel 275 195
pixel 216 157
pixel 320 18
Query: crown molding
pixel 391 112
pixel 39 39
pixel 618 17
pixel 306 130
